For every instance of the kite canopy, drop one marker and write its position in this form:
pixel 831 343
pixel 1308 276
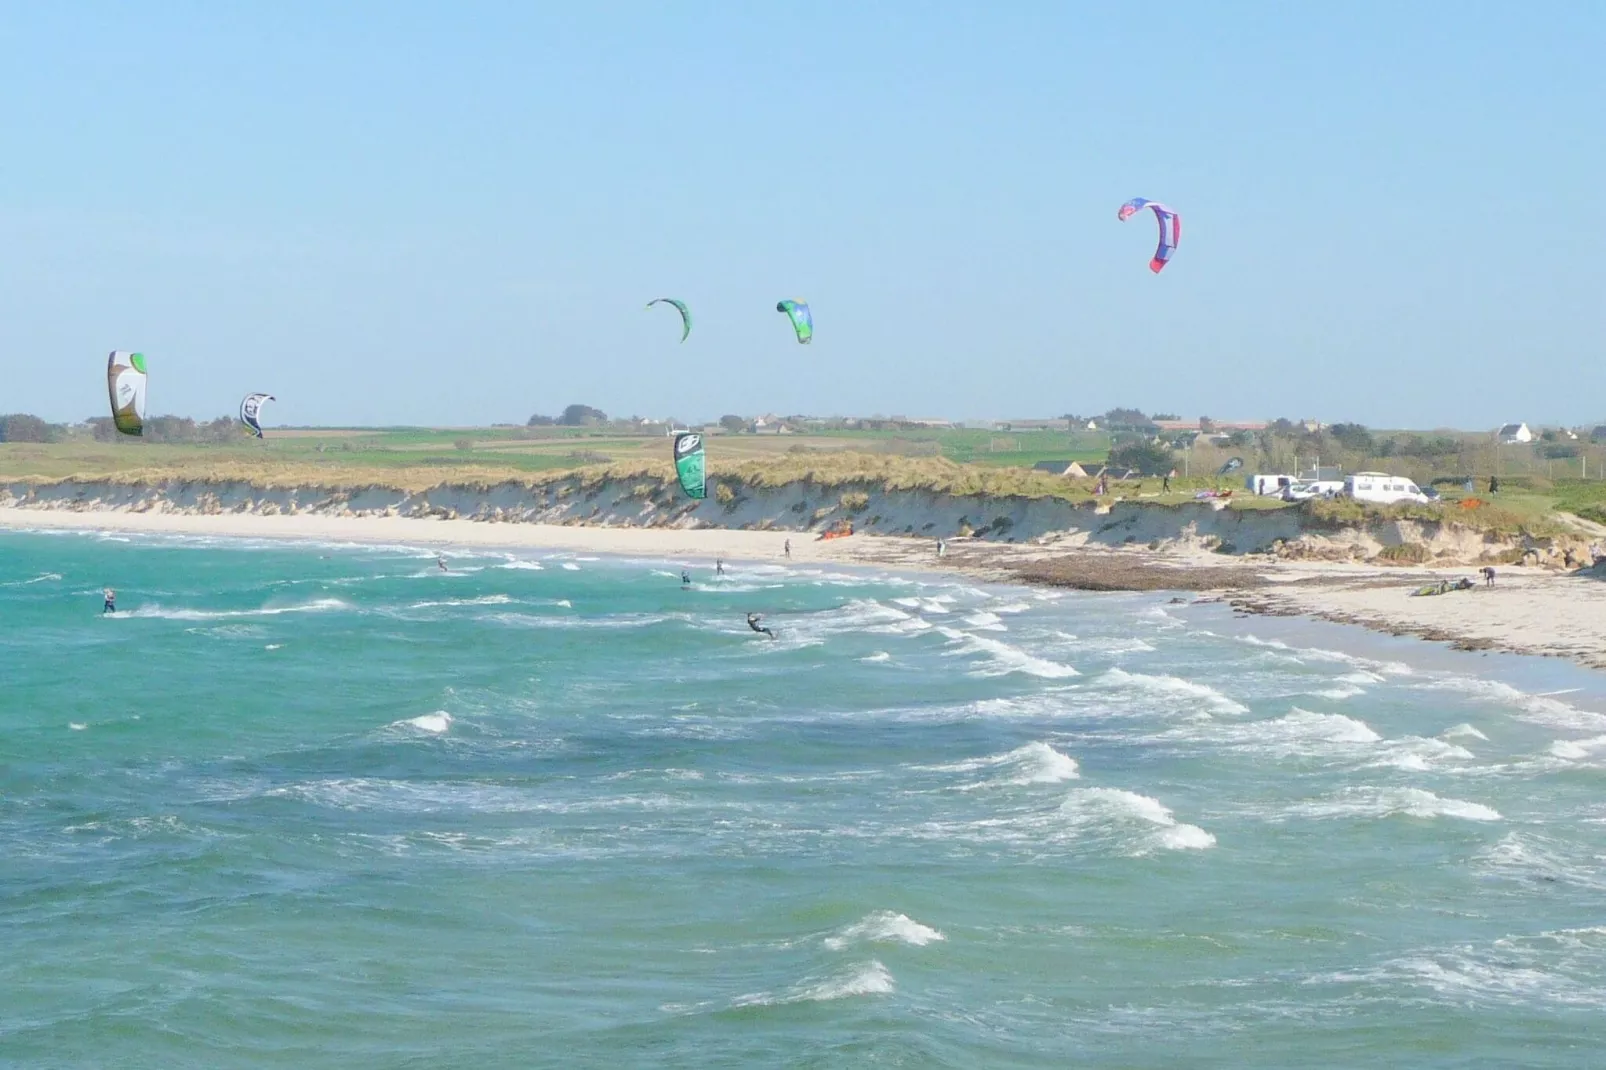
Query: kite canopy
pixel 251 411
pixel 125 381
pixel 685 313
pixel 1170 228
pixel 1231 466
pixel 689 464
pixel 802 319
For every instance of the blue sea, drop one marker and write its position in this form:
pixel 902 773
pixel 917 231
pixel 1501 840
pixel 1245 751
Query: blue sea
pixel 301 805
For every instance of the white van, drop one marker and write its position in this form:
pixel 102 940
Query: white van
pixel 1382 488
pixel 1313 488
pixel 1268 485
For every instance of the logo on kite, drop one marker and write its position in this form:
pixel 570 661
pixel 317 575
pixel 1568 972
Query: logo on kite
pixel 251 411
pixel 1170 228
pixel 680 306
pixel 802 319
pixel 125 382
pixel 689 464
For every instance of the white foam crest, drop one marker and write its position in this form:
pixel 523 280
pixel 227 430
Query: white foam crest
pixel 990 622
pixel 1463 731
pixel 1513 973
pixel 1172 687
pixel 77 726
pixel 1541 709
pixel 1004 659
pixel 565 603
pixel 1359 677
pixel 1034 763
pixel 484 600
pixel 321 605
pixel 1013 607
pixel 1391 802
pixel 1522 856
pixel 570 566
pixel 1089 808
pixel 1338 694
pixel 1418 754
pixel 273 646
pixel 435 724
pixel 43 577
pixel 1305 653
pixel 1578 750
pixel 866 979
pixel 884 927
pixel 523 566
pixel 879 655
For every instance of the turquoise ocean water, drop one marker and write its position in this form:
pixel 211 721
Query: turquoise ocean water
pixel 325 806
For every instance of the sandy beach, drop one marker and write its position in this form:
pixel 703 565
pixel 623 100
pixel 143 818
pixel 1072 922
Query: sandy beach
pixel 1528 611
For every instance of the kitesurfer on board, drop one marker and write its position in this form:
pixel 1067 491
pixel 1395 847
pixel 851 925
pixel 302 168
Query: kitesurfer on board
pixel 753 623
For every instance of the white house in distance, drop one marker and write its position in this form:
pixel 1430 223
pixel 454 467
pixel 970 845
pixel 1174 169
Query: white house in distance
pixel 1515 434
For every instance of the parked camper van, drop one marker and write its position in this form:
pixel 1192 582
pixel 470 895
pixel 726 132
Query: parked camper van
pixel 1268 485
pixel 1382 488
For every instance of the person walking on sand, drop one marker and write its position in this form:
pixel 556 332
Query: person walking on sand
pixel 111 602
pixel 1487 572
pixel 942 547
pixel 1165 484
pixel 789 549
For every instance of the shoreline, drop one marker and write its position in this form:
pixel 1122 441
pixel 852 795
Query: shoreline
pixel 1529 611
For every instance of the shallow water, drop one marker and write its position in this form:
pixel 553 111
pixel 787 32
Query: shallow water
pixel 310 806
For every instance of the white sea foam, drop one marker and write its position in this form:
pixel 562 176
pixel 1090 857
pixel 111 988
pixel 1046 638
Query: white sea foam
pixel 1541 709
pixel 570 566
pixel 484 600
pixel 1144 823
pixel 1463 731
pixel 990 622
pixel 879 655
pixel 1339 694
pixel 1578 750
pixel 1391 802
pixel 523 566
pixel 1035 763
pixel 435 724
pixel 1173 689
pixel 1013 607
pixel 321 605
pixel 1003 659
pixel 43 577
pixel 77 726
pixel 884 927
pixel 273 646
pixel 869 979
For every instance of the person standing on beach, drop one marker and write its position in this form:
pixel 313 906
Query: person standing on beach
pixel 1165 484
pixel 789 549
pixel 942 547
pixel 1488 575
pixel 111 602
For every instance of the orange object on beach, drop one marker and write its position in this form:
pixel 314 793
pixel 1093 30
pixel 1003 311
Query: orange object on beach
pixel 1471 503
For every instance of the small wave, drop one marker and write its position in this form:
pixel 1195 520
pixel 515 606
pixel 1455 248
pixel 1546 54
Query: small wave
pixel 77 726
pixel 990 622
pixel 1091 807
pixel 321 605
pixel 870 979
pixel 1541 709
pixel 1338 694
pixel 1035 763
pixel 1004 659
pixel 1012 607
pixel 523 566
pixel 879 655
pixel 565 603
pixel 43 577
pixel 435 724
pixel 273 646
pixel 485 600
pixel 570 566
pixel 1392 802
pixel 884 927
pixel 1172 687
pixel 1463 731
pixel 1577 750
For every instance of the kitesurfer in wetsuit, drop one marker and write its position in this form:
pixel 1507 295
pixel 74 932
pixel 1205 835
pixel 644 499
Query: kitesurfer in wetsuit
pixel 111 602
pixel 441 561
pixel 685 578
pixel 752 622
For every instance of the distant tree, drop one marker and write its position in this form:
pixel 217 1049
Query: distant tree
pixel 102 428
pixel 1283 426
pixel 170 429
pixel 1149 458
pixel 540 421
pixel 1165 416
pixel 22 427
pixel 1353 437
pixel 582 416
pixel 1126 418
pixel 1206 425
pixel 464 444
pixel 1241 439
pixel 732 423
pixel 1549 434
pixel 1558 451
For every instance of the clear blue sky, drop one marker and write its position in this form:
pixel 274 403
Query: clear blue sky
pixel 454 213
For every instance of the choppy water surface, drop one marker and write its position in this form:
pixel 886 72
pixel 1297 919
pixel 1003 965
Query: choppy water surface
pixel 328 806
